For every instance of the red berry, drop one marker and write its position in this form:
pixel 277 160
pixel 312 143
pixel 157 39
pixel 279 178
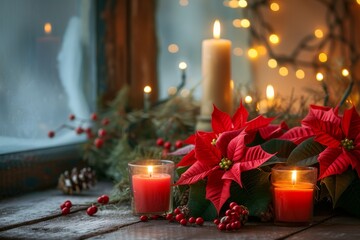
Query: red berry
pixel 105 199
pixel 93 116
pixel 68 204
pixel 228 212
pixel 179 216
pixel 91 210
pixel 237 209
pixel 99 142
pixel 144 218
pixel 237 224
pixel 232 205
pixel 79 130
pixel 178 144
pixel 160 142
pixel 102 132
pixel 192 220
pixel 199 221
pixel 216 221
pixel 65 211
pixel 155 217
pixel 228 227
pixel 51 134
pixel 183 221
pixel 169 217
pixel 105 121
pixel 177 211
pixel 221 226
pixel 72 117
pixel 167 145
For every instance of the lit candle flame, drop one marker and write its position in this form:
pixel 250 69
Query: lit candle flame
pixel 270 93
pixel 47 28
pixel 216 29
pixel 293 177
pixel 150 170
pixel 147 89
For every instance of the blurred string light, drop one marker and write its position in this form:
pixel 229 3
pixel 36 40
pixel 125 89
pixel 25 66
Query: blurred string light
pixel 273 38
pixel 283 71
pixel 173 48
pixel 319 76
pixel 183 3
pixel 300 74
pixel 238 51
pixel 318 33
pixel 274 6
pixel 272 63
pixel 252 53
pixel 248 99
pixel 323 57
pixel 345 72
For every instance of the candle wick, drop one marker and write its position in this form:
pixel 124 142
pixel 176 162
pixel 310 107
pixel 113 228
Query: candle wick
pixel 150 174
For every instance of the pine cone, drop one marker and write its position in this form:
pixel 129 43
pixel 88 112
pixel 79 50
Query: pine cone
pixel 77 181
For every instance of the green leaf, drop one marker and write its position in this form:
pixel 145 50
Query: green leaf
pixel 198 205
pixel 255 194
pixel 337 184
pixel 305 152
pixel 282 148
pixel 350 199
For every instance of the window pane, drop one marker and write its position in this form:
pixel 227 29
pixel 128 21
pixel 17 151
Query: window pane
pixel 47 70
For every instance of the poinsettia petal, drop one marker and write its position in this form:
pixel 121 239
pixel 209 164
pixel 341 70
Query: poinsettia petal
pixel 351 123
pixel 234 173
pixel 273 131
pixel 254 157
pixel 297 134
pixel 224 139
pixel 332 162
pixel 187 160
pixel 236 147
pixel 195 173
pixel 205 151
pixel 258 122
pixel 220 121
pixel 240 117
pixel 217 190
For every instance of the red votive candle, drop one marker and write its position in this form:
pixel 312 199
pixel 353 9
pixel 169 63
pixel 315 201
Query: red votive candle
pixel 293 194
pixel 151 190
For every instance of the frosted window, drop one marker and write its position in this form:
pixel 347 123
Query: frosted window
pixel 47 70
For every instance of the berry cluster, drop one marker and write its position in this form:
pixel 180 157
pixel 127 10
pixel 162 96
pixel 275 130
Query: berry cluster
pixel 167 145
pixel 179 215
pixel 66 206
pixel 99 137
pixel 235 217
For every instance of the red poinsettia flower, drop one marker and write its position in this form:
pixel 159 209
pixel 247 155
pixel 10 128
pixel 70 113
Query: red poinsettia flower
pixel 222 122
pixel 341 135
pixel 222 161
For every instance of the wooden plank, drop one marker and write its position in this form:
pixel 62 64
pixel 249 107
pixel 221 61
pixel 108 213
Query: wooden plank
pixel 340 227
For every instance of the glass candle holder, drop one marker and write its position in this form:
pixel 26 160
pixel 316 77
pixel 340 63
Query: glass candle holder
pixel 151 186
pixel 293 191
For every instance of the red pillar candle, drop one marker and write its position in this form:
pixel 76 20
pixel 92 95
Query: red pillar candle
pixel 293 194
pixel 151 186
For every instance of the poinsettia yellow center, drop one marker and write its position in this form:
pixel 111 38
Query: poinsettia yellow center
pixel 347 144
pixel 225 164
pixel 213 142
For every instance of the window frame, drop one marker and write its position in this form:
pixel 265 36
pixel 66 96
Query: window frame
pixel 120 33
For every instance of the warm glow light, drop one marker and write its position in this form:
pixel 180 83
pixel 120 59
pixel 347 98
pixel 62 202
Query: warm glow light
pixel 232 84
pixel 252 53
pixel 248 99
pixel 323 57
pixel 238 51
pixel 261 50
pixel 172 91
pixel 300 74
pixel 358 2
pixel 273 38
pixel 319 76
pixel 216 29
pixel 147 89
pixel 47 28
pixel 283 71
pixel 293 177
pixel 150 170
pixel 183 3
pixel 237 23
pixel 233 3
pixel 243 3
pixel 182 65
pixel 319 33
pixel 345 72
pixel 274 7
pixel 173 48
pixel 245 23
pixel 270 92
pixel 272 63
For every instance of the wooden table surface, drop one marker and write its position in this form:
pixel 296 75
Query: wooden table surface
pixel 37 216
